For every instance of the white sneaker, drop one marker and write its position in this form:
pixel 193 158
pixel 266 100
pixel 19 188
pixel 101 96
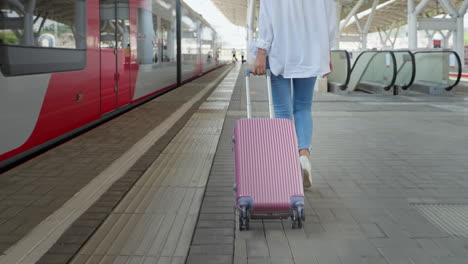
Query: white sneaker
pixel 306 168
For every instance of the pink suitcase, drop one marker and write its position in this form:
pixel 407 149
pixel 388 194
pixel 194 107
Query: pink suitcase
pixel 267 167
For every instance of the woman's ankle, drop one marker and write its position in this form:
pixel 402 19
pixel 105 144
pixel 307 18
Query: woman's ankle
pixel 304 152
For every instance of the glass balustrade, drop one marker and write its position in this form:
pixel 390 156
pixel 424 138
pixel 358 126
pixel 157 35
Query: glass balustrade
pixel 405 69
pixel 437 69
pixel 339 78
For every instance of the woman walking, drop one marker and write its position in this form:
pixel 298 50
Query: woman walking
pixel 294 42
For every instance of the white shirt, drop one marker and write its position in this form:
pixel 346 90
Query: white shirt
pixel 297 35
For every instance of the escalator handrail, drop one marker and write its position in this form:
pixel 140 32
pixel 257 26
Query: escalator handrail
pixel 448 89
pixel 359 57
pixel 413 74
pixel 392 55
pixel 344 85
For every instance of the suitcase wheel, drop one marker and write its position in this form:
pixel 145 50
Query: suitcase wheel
pixel 298 217
pixel 244 219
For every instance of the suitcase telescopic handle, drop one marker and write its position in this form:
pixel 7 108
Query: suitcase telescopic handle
pixel 248 72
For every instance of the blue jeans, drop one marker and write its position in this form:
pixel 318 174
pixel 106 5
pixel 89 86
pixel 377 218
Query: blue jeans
pixel 298 105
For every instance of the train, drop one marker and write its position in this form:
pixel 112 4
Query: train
pixel 68 65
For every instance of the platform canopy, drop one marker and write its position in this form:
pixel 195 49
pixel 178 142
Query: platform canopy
pixel 390 14
pixel 236 10
pixel 384 16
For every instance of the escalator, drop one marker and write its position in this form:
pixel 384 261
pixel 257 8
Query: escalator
pixel 437 72
pixel 372 72
pixel 406 66
pixel 339 78
pixel 395 72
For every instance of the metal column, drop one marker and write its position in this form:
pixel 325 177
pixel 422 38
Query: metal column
pixel 412 26
pixel 460 45
pixel 351 14
pixel 179 40
pixel 338 6
pixel 250 24
pixel 370 19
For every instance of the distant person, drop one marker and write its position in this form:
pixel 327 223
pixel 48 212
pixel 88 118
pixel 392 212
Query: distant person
pixel 218 54
pixel 242 56
pixel 294 42
pixel 208 58
pixel 234 58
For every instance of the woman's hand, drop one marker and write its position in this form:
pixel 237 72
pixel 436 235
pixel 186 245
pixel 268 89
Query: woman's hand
pixel 260 63
pixel 331 70
pixel 331 67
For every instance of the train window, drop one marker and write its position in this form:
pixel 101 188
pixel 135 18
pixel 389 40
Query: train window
pixel 147 24
pixel 43 23
pixel 208 45
pixel 190 34
pixel 38 36
pixel 163 42
pixel 156 35
pixel 115 33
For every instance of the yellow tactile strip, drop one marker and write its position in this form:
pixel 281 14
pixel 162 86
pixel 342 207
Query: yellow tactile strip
pixel 156 219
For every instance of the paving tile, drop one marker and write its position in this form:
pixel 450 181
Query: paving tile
pixel 259 260
pixel 327 259
pixel 216 224
pixel 457 247
pixel 451 260
pixel 278 244
pixel 4 246
pixel 200 239
pixel 212 249
pixel 395 243
pixel 10 211
pixel 208 259
pixel 64 249
pixel 372 230
pixel 434 249
pixel 55 259
pixel 357 259
pixel 257 248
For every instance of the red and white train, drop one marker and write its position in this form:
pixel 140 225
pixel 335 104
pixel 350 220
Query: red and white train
pixel 66 65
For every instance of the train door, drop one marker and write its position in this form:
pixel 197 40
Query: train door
pixel 115 54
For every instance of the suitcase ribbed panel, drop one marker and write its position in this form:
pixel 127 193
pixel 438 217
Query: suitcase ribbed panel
pixel 267 164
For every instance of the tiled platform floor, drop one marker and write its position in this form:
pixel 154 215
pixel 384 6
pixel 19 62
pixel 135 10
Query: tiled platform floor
pixel 34 190
pixel 373 158
pixel 154 222
pixel 378 163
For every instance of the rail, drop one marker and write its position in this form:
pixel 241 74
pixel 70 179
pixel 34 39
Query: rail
pixel 373 68
pixel 341 73
pixel 431 71
pixel 406 69
pixel 435 68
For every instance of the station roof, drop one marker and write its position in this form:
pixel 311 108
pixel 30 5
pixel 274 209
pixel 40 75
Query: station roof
pixel 235 10
pixel 393 14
